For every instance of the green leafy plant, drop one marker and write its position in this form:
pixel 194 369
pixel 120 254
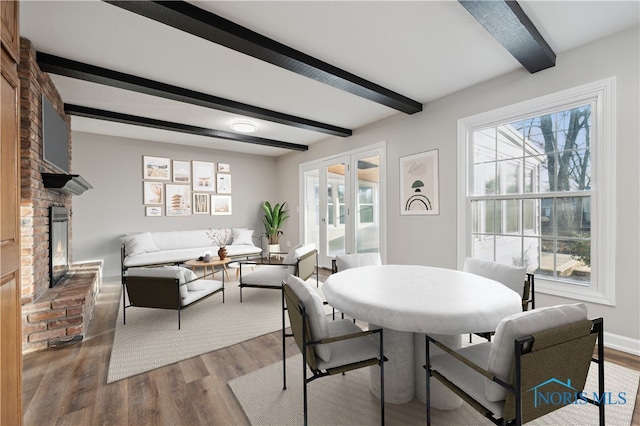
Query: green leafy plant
pixel 274 218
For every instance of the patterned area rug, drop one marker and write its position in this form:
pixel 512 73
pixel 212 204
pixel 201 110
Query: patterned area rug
pixel 346 400
pixel 151 338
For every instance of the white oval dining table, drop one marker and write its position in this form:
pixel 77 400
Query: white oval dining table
pixel 408 301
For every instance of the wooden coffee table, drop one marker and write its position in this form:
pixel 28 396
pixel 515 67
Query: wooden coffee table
pixel 212 263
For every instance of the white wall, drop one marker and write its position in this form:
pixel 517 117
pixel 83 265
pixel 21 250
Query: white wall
pixel 114 207
pixel 429 240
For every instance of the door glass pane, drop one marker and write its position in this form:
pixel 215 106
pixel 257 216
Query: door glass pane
pixel 335 217
pixel 311 207
pixel 367 232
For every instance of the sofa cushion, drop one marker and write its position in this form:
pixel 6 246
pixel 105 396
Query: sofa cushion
pixel 265 275
pixel 315 312
pixel 139 243
pixel 520 325
pixel 182 255
pixel 509 275
pixel 242 236
pixel 208 287
pixel 172 240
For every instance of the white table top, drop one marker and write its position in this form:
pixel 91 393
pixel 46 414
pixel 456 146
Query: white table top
pixel 421 299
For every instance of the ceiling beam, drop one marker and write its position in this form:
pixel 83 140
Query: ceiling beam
pixel 99 114
pixel 198 22
pixel 79 70
pixel 510 26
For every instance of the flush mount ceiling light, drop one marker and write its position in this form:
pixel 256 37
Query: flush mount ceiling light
pixel 244 127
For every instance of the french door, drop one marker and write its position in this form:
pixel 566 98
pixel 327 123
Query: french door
pixel 343 198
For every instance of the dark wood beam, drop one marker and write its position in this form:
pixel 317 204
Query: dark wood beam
pixel 510 26
pixel 79 70
pixel 135 120
pixel 198 22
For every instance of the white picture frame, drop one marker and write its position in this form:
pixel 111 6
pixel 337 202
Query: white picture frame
pixel 221 204
pixel 152 192
pixel 177 200
pixel 153 211
pixel 419 187
pixel 201 203
pixel 156 168
pixel 223 183
pixel 181 171
pixel 204 175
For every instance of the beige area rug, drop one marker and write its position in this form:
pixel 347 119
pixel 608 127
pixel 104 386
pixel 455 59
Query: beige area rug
pixel 151 338
pixel 346 400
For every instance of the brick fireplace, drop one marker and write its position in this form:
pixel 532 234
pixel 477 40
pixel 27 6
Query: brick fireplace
pixel 51 316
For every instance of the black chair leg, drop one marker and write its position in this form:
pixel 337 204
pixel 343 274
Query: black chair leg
pixel 426 367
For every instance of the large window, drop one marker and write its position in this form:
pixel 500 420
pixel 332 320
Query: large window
pixel 532 174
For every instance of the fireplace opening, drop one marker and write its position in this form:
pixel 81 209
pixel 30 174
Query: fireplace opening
pixel 58 244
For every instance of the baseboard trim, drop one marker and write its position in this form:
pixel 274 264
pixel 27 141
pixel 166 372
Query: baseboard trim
pixel 622 343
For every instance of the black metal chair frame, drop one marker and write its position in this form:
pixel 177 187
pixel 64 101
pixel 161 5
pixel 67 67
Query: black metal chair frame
pixel 523 348
pixel 306 346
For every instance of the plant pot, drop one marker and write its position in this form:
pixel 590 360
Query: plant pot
pixel 273 248
pixel 222 253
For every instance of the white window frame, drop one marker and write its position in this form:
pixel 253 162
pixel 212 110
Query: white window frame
pixel 602 94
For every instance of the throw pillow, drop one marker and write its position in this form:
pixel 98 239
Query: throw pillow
pixel 139 244
pixel 193 283
pixel 242 236
pixel 315 312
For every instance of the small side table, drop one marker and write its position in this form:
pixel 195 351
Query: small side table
pixel 212 263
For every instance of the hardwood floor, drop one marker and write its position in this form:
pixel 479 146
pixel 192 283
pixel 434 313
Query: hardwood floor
pixel 67 386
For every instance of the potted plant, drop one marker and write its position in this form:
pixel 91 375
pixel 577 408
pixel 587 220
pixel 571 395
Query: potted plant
pixel 274 218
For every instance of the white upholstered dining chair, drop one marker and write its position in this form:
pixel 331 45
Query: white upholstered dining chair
pixel 514 277
pixel 543 350
pixel 327 347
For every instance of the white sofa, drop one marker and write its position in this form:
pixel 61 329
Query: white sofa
pixel 173 247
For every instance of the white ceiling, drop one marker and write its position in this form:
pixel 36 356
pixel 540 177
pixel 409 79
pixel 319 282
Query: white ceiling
pixel 421 49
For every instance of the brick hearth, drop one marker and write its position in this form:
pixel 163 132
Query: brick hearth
pixel 62 314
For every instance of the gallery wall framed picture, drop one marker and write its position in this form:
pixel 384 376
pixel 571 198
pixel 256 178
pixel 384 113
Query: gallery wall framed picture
pixel 181 171
pixel 153 211
pixel 204 175
pixel 153 192
pixel 221 204
pixel 157 168
pixel 178 200
pixel 201 203
pixel 223 183
pixel 419 186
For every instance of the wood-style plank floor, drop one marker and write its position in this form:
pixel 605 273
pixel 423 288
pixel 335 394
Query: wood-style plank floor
pixel 67 386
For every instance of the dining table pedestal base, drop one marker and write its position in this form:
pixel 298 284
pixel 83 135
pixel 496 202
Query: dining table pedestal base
pixel 404 376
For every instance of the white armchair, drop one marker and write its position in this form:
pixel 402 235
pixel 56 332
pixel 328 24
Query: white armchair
pixel 301 262
pixel 347 261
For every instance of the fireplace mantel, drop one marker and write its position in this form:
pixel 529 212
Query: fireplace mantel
pixel 68 184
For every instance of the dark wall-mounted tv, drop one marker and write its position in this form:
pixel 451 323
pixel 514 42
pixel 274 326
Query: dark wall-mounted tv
pixel 55 137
